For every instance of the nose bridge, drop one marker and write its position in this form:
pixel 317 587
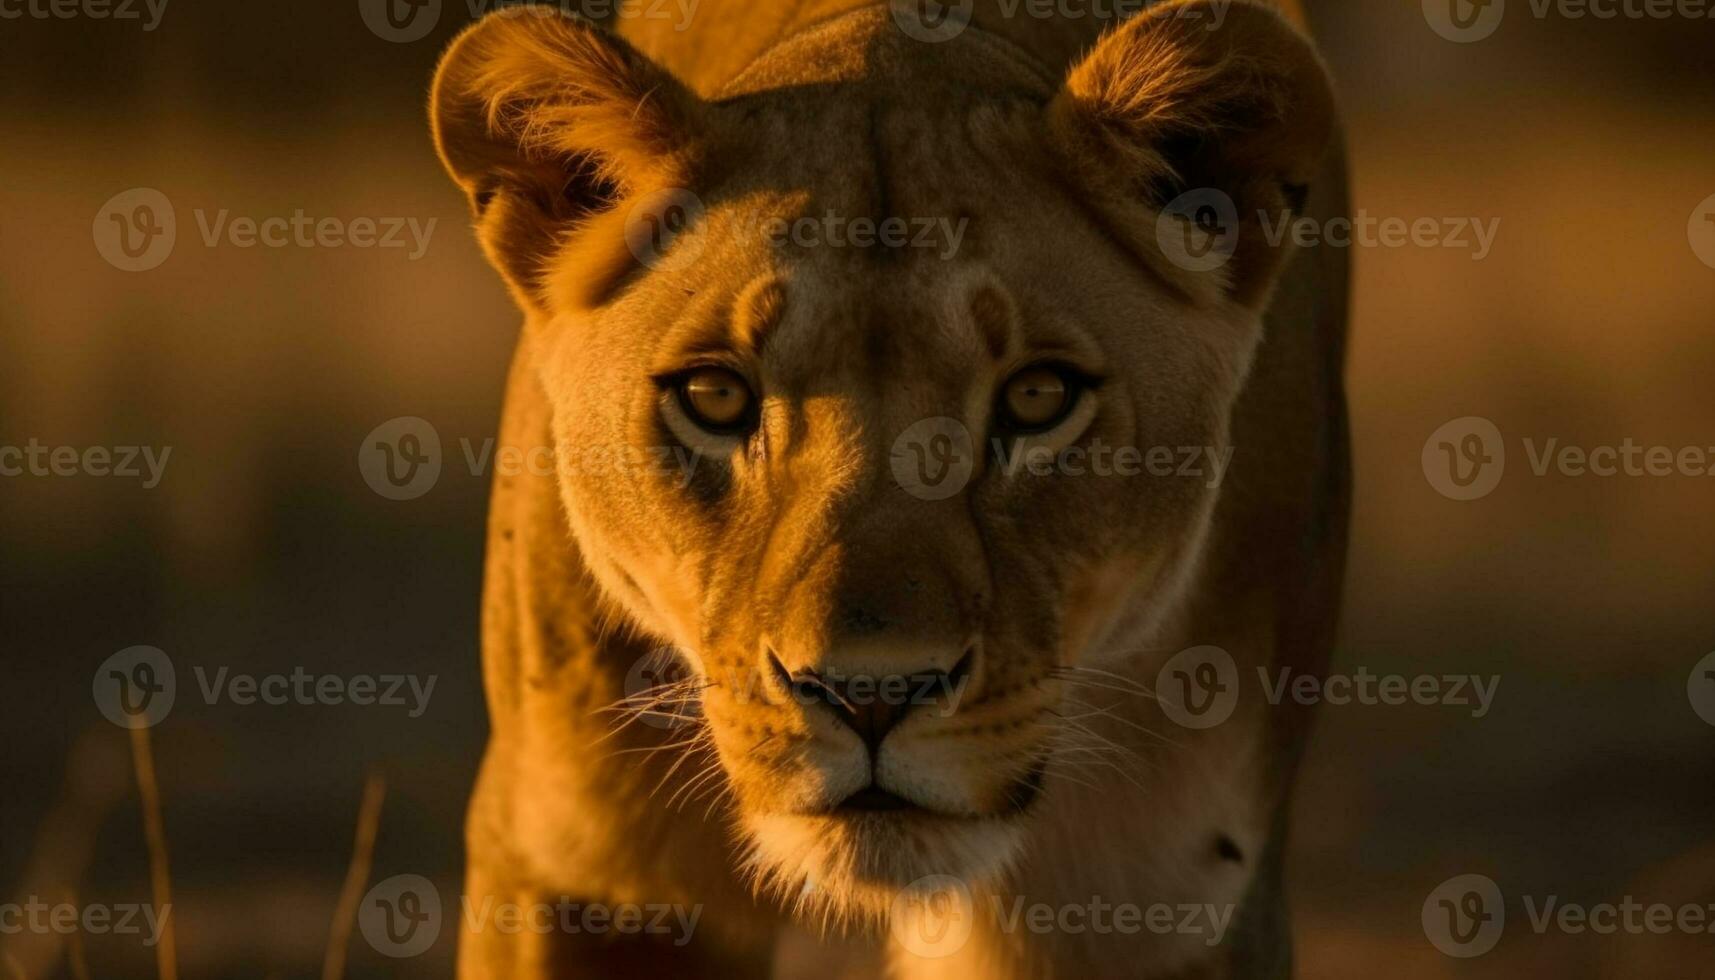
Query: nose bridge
pixel 893 586
pixel 880 581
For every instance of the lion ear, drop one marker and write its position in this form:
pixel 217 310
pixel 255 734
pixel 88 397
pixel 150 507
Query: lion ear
pixel 549 123
pixel 1189 123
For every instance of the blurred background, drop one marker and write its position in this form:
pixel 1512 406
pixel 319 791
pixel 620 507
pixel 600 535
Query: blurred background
pixel 263 548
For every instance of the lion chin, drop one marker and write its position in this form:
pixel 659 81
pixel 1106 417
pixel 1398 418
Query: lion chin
pixel 845 872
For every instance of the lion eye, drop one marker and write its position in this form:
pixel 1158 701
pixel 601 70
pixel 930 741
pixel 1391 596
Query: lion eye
pixel 1035 399
pixel 716 399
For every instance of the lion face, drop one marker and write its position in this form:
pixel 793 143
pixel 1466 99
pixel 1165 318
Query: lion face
pixel 906 412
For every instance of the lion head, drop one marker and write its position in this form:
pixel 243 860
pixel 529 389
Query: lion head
pixel 903 359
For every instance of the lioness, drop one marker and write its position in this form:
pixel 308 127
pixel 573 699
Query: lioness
pixel 859 485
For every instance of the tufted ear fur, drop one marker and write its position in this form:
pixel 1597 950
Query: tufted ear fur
pixel 549 124
pixel 1236 111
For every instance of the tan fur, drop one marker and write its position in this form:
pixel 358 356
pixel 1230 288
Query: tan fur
pixel 1052 776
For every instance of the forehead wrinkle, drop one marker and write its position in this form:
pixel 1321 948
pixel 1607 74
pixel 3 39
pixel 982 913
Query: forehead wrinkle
pixel 701 329
pixel 1049 332
pixel 757 312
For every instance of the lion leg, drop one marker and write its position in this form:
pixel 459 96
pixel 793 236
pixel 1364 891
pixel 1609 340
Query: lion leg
pixel 516 920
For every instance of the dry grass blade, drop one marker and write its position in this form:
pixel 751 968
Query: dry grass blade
pixel 155 832
pixel 75 958
pixel 356 876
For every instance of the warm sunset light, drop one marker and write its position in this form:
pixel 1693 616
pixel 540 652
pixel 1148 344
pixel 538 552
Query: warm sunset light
pixel 858 489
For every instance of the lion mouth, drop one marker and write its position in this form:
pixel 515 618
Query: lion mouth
pixel 874 799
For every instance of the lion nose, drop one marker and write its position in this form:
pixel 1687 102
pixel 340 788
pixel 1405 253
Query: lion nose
pixel 870 705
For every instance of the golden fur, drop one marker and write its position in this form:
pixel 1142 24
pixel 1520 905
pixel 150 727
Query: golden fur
pixel 1048 773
